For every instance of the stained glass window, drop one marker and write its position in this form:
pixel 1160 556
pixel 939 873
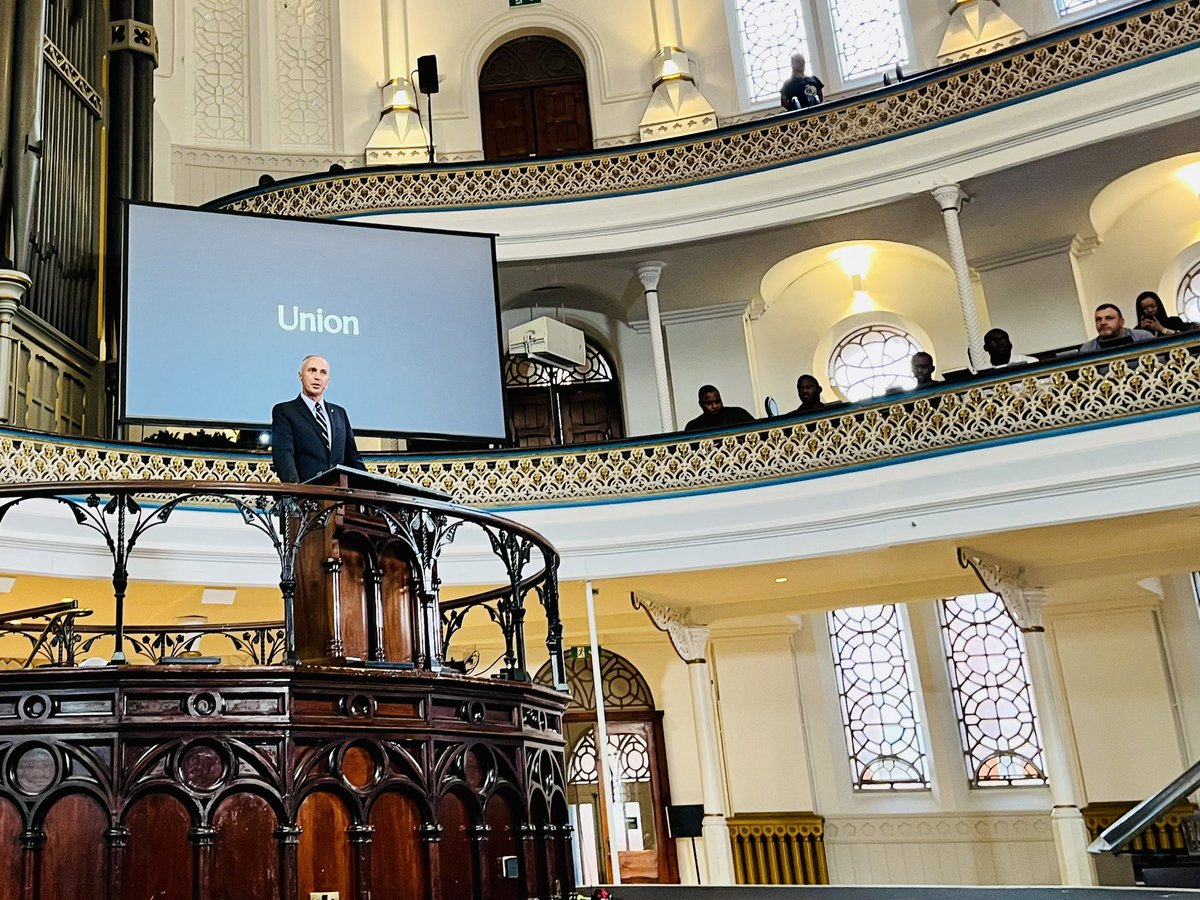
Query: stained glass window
pixel 869 35
pixel 1070 7
pixel 879 711
pixel 869 361
pixel 771 31
pixel 992 697
pixel 1187 298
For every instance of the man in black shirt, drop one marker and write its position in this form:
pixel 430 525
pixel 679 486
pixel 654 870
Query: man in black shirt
pixel 801 91
pixel 716 414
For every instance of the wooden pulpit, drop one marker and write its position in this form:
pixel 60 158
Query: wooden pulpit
pixel 356 601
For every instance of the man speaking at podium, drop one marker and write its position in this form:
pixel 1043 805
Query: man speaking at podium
pixel 309 435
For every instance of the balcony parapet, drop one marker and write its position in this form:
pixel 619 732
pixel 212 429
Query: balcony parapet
pixel 1052 62
pixel 1143 381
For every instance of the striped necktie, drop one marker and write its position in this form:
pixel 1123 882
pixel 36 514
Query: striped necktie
pixel 323 423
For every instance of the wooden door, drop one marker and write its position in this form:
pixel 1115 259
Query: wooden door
pixel 563 124
pixel 509 128
pixel 532 414
pixel 587 415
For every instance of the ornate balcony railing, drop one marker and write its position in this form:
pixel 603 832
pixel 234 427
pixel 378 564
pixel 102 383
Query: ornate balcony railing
pixel 1146 32
pixel 1145 380
pixel 121 514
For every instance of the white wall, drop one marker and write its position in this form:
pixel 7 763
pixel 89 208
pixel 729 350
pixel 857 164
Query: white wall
pixel 708 351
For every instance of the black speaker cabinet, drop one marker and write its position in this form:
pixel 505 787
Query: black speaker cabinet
pixel 427 74
pixel 686 820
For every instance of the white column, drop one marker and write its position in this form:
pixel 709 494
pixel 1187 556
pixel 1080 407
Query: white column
pixel 718 851
pixel 1066 821
pixel 950 198
pixel 400 136
pixel 649 274
pixel 13 287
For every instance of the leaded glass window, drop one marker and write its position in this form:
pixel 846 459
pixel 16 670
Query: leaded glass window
pixel 1070 7
pixel 869 35
pixel 992 696
pixel 1187 298
pixel 879 709
pixel 869 361
pixel 771 31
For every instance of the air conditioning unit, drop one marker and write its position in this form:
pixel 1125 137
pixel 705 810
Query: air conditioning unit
pixel 548 341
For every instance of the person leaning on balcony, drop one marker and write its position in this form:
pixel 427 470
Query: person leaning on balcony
pixel 801 90
pixel 999 349
pixel 1111 330
pixel 923 369
pixel 808 389
pixel 1152 316
pixel 715 413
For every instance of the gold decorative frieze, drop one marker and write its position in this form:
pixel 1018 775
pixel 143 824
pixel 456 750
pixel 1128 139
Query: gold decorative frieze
pixel 1071 395
pixel 1024 71
pixel 778 848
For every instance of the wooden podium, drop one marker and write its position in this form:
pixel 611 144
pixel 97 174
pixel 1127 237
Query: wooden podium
pixel 356 600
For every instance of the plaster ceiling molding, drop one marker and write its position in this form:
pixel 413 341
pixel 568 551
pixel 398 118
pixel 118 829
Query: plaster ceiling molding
pixel 1178 177
pixel 688 637
pixel 976 28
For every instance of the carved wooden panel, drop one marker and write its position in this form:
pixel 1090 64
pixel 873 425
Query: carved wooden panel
pixel 324 845
pixel 73 855
pixel 454 848
pixel 245 850
pixel 158 860
pixel 398 851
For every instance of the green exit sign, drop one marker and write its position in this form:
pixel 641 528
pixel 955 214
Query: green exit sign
pixel 523 2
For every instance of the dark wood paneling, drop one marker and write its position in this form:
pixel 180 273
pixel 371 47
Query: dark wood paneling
pixel 503 840
pixel 455 853
pixel 562 118
pixel 158 863
pixel 399 612
pixel 353 593
pixel 73 855
pixel 509 130
pixel 245 858
pixel 324 845
pixel 10 850
pixel 397 850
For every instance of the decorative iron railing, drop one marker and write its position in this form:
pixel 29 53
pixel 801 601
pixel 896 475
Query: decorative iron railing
pixel 1145 380
pixel 121 514
pixel 1055 61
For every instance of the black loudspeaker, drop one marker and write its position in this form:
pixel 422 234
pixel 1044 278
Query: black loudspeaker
pixel 427 74
pixel 686 821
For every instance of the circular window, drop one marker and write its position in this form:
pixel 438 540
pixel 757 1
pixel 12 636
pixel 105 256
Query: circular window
pixel 1187 299
pixel 870 360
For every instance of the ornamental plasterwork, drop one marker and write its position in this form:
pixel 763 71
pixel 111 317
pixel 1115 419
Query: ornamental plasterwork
pixel 304 66
pixel 688 637
pixel 985 85
pixel 1136 384
pixel 1023 601
pixel 221 83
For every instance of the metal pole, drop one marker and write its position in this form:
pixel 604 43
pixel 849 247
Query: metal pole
pixel 602 737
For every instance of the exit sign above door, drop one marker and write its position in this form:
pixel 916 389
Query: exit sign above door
pixel 523 2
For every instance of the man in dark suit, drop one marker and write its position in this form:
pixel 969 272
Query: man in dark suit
pixel 309 435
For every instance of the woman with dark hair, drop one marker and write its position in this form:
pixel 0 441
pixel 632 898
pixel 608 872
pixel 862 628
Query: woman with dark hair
pixel 1152 316
pixel 809 391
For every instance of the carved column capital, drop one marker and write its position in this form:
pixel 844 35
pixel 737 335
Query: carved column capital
pixel 649 273
pixel 1024 602
pixel 949 197
pixel 689 638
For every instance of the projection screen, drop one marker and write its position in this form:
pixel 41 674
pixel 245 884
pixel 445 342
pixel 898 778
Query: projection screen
pixel 220 308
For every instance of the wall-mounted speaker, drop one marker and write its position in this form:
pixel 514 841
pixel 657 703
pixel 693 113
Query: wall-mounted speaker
pixel 427 74
pixel 686 820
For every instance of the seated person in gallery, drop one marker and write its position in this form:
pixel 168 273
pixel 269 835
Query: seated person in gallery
pixel 801 91
pixel 309 434
pixel 1000 350
pixel 808 389
pixel 1152 317
pixel 715 413
pixel 1111 330
pixel 923 369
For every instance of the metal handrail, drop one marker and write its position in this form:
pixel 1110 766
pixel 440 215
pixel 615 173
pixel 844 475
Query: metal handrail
pixel 1121 833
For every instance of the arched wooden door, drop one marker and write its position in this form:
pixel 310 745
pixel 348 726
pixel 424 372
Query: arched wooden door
pixel 533 100
pixel 549 406
pixel 645 850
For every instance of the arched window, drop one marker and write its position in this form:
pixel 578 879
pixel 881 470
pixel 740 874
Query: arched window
pixel 637 756
pixel 1071 7
pixel 879 709
pixel 1187 298
pixel 870 360
pixel 533 100
pixel 549 406
pixel 992 696
pixel 847 42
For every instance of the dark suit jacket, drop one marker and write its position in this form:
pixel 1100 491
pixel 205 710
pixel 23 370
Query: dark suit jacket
pixel 297 449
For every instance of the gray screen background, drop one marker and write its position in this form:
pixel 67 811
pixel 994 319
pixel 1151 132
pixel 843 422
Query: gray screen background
pixel 203 342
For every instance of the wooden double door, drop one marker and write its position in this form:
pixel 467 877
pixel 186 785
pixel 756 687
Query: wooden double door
pixel 540 120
